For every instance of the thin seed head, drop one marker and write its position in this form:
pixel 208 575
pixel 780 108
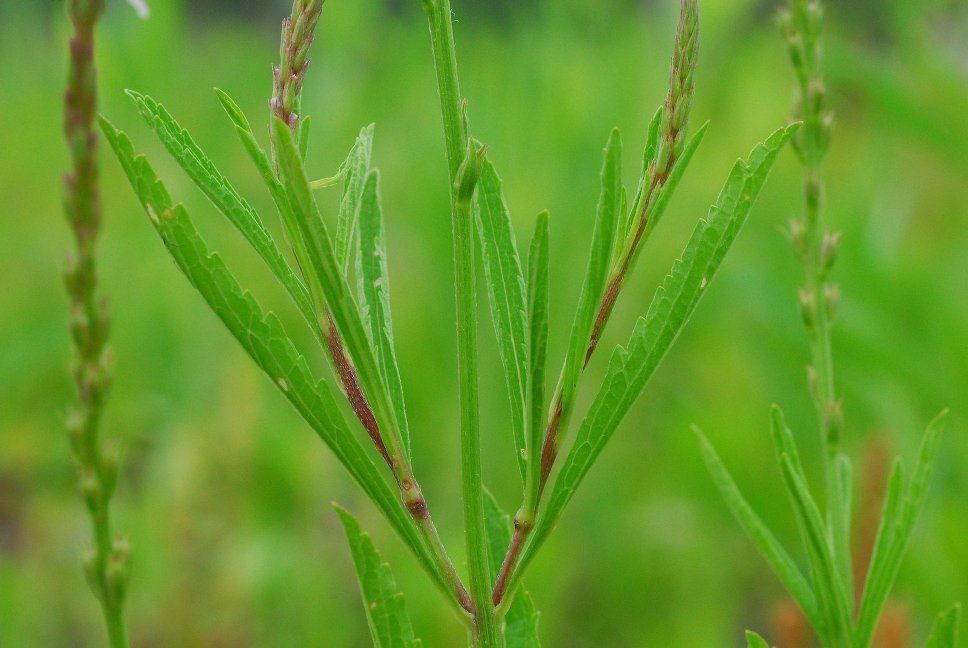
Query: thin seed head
pixel 678 103
pixel 298 33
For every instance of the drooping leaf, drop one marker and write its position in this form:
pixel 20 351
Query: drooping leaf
pixel 754 640
pixel 897 524
pixel 761 536
pixel 354 171
pixel 521 620
pixel 506 293
pixel 944 632
pixel 386 611
pixel 375 282
pixel 675 300
pixel 263 338
pixel 596 275
pixel 222 194
pixel 538 312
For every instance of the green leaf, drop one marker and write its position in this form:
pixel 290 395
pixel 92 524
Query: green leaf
pixel 672 182
pixel 222 194
pixel 897 524
pixel 761 536
pixel 886 532
pixel 538 311
pixel 354 170
pixel 521 620
pixel 840 496
pixel 783 440
pixel 944 632
pixel 506 293
pixel 316 247
pixel 263 338
pixel 754 640
pixel 630 368
pixel 375 282
pixel 832 600
pixel 648 157
pixel 257 154
pixel 596 275
pixel 386 611
pixel 302 136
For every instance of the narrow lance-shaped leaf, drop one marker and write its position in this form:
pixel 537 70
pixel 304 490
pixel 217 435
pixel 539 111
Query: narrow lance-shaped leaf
pixel 648 157
pixel 506 294
pixel 386 611
pixel 895 532
pixel 675 176
pixel 944 632
pixel 264 339
pixel 840 494
pixel 754 640
pixel 305 127
pixel 317 247
pixel 521 620
pixel 786 449
pixel 606 222
pixel 375 282
pixel 538 312
pixel 223 195
pixel 354 171
pixel 832 599
pixel 761 536
pixel 258 155
pixel 631 367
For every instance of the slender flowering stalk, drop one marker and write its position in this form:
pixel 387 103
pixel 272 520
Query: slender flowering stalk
pixel 106 565
pixel 802 24
pixel 298 33
pixel 675 123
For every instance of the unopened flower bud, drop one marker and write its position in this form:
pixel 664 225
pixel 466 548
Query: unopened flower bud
pixel 808 309
pixel 798 237
pixel 834 424
pixel 828 251
pixel 831 297
pixel 91 489
pixel 89 564
pixel 813 383
pixel 470 170
pixel 117 568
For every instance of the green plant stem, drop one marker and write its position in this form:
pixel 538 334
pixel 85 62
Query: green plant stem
pixel 297 36
pixel 675 122
pixel 803 23
pixel 106 566
pixel 486 630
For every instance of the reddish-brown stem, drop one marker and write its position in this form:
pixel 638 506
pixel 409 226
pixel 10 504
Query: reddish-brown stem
pixel 521 533
pixel 549 449
pixel 354 391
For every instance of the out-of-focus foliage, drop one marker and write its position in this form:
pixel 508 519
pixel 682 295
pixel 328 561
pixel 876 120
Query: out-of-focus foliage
pixel 225 493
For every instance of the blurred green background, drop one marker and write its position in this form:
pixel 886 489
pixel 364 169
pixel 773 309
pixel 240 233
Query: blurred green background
pixel 225 493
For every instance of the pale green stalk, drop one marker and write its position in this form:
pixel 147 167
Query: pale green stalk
pixel 463 161
pixel 817 247
pixel 107 565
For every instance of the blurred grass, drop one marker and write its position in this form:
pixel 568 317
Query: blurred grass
pixel 226 493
